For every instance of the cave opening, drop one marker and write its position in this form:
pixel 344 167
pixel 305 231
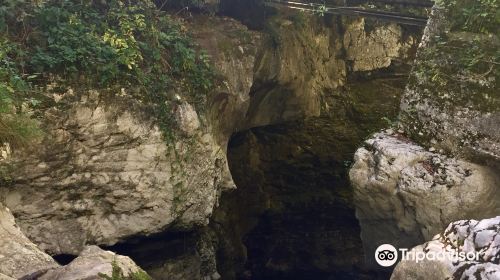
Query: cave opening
pixel 292 215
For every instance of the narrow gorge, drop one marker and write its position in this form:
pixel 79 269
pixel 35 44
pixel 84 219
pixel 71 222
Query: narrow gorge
pixel 248 139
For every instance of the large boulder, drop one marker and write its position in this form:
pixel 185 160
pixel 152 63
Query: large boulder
pixel 18 255
pixel 105 171
pixel 405 195
pixel 481 238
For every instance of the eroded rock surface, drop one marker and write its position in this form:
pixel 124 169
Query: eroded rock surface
pixel 449 105
pixel 307 57
pixel 92 262
pixel 468 236
pixel 368 50
pixel 105 172
pixel 18 255
pixel 233 49
pixel 405 195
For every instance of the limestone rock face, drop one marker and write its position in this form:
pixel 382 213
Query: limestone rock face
pixel 375 49
pixel 233 49
pixel 104 172
pixel 468 236
pixel 459 111
pixel 405 195
pixel 18 255
pixel 300 63
pixel 89 264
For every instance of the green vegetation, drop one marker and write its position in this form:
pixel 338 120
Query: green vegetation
pixel 479 16
pixel 117 274
pixel 95 44
pixel 460 67
pixel 16 126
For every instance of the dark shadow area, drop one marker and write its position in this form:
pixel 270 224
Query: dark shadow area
pixel 64 259
pixel 292 215
pixel 163 255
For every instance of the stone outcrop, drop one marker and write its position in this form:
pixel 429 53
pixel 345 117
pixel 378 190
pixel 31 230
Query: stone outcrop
pixel 306 58
pixel 18 255
pixel 452 103
pixel 481 238
pixel 91 264
pixel 405 195
pixel 5 152
pixel 105 172
pixel 233 50
pixel 378 48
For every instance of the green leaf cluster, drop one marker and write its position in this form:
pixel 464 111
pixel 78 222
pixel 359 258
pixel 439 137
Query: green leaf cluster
pixel 478 16
pixel 98 44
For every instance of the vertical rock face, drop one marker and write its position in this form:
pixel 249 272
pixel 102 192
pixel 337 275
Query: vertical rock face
pixel 306 58
pixel 105 172
pixel 18 255
pixel 233 50
pixel 476 238
pixel 452 101
pixel 376 48
pixel 405 195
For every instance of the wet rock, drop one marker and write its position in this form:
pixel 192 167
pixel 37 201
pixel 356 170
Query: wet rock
pixel 18 255
pixel 92 262
pixel 474 237
pixel 405 195
pixel 173 255
pixel 302 63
